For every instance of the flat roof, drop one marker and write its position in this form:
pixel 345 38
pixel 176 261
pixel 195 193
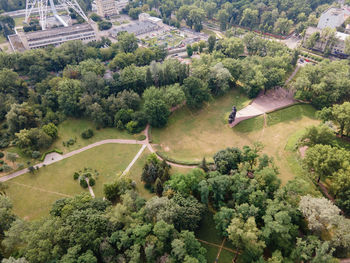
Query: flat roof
pixel 333 17
pixel 58 30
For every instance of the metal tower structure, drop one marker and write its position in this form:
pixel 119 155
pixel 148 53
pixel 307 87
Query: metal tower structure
pixel 42 6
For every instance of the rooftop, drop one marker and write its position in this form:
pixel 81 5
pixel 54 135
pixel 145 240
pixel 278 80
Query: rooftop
pixel 333 17
pixel 137 28
pixel 58 31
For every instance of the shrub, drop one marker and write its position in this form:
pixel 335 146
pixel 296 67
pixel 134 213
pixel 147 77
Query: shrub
pixel 21 166
pixel 141 137
pixel 83 183
pixel 95 17
pixel 88 133
pixel 1 169
pixel 104 25
pixel 1 161
pixel 120 125
pixel 2 154
pixel 70 142
pixel 35 154
pixel 6 168
pixel 76 176
pixel 92 181
pixel 131 126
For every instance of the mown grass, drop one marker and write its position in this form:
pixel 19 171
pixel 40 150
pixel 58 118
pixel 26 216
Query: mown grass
pixel 33 194
pixel 190 136
pixel 72 129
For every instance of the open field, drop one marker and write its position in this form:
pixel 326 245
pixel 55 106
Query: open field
pixel 33 194
pixel 72 129
pixel 190 136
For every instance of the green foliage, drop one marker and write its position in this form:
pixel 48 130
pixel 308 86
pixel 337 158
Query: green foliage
pixel 114 190
pixel 317 135
pixel 330 87
pixel 227 160
pixel 153 169
pixel 87 134
pixel 104 25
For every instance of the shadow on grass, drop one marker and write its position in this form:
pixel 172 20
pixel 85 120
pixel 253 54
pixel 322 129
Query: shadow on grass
pixel 207 230
pixel 292 113
pixel 250 125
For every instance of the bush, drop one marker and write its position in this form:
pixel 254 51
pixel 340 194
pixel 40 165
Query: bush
pixel 141 137
pixel 76 176
pixel 2 154
pixel 87 134
pixel 83 183
pixel 95 17
pixel 104 25
pixel 92 181
pixel 131 126
pixel 35 154
pixel 46 153
pixel 1 161
pixel 6 168
pixel 1 169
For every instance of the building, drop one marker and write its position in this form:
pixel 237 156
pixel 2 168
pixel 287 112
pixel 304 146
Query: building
pixel 54 36
pixel 337 49
pixel 106 8
pixel 137 28
pixel 333 17
pixel 143 17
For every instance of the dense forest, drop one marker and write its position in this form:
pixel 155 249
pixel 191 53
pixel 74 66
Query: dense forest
pixel 274 16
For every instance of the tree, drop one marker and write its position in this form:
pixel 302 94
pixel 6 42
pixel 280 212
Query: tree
pixel 196 16
pixel 283 26
pixel 223 18
pixel 127 42
pixel 69 92
pixel 51 130
pixel 159 187
pixel 12 157
pixel 281 226
pixel 321 134
pixel 324 160
pixel 247 238
pixel 232 47
pixel 104 25
pixel 228 159
pixel 219 79
pixel 196 92
pixel 189 50
pixel 339 114
pixel 185 184
pixel 311 249
pixel 320 213
pixel 157 112
pixel 154 169
pixel 211 43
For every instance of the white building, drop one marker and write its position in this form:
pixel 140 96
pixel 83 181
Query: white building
pixel 106 8
pixel 333 17
pixel 337 49
pixel 152 19
pixel 53 36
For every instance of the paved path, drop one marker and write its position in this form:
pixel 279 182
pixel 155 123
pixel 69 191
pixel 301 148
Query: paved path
pixel 55 157
pixel 90 188
pixel 135 159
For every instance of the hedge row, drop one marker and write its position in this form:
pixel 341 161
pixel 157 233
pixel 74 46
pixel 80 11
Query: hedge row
pixel 46 153
pixel 169 159
pixel 307 55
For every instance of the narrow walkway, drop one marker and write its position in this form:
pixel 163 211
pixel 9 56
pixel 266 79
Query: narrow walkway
pixel 54 157
pixel 216 245
pixel 134 160
pixel 90 188
pixel 219 252
pixel 41 190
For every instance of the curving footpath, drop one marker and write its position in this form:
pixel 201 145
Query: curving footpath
pixel 55 157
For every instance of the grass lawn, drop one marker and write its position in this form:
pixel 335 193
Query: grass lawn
pixel 2 39
pixel 33 194
pixel 190 136
pixel 72 129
